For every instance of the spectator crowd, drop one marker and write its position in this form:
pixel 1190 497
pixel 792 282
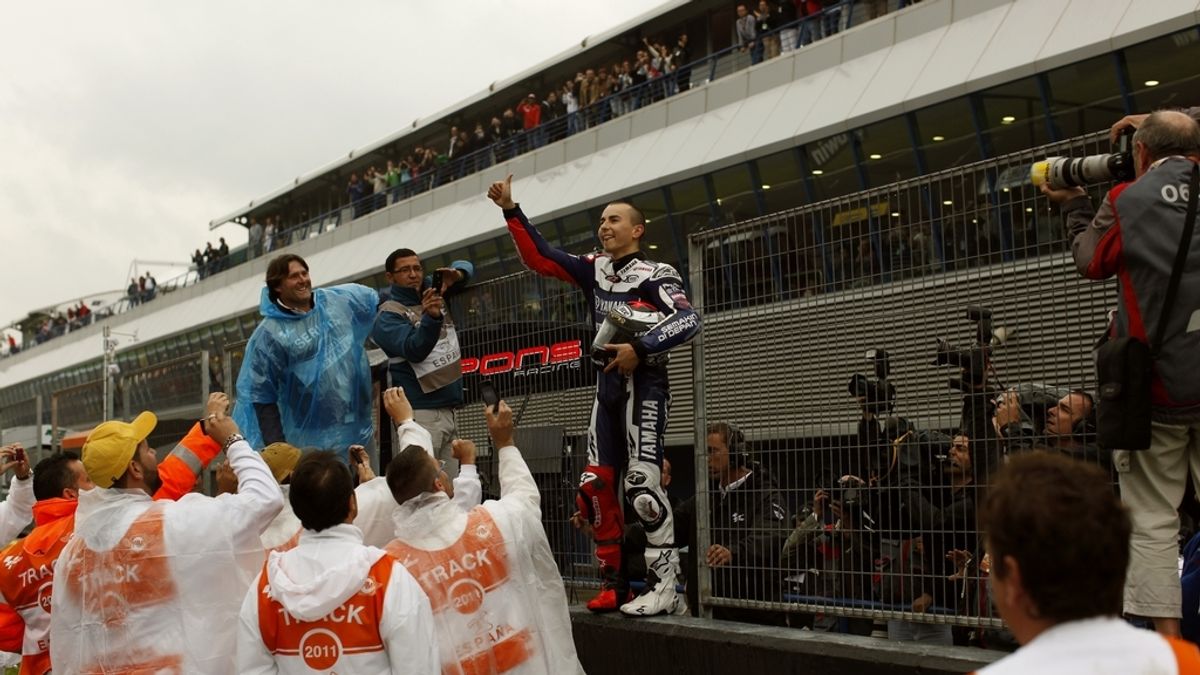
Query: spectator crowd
pixel 660 68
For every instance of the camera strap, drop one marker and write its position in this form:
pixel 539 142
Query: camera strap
pixel 1181 255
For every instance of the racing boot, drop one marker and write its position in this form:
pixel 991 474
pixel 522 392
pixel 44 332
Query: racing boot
pixel 662 567
pixel 614 592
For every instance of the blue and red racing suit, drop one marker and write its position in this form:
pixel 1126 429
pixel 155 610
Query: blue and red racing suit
pixel 629 415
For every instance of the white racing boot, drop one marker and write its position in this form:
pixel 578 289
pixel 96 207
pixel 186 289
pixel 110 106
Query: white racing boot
pixel 662 566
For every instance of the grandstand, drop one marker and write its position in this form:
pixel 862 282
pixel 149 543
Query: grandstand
pixel 855 193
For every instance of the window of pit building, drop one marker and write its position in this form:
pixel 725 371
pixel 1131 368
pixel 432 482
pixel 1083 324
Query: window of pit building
pixel 1163 73
pixel 782 185
pixel 887 152
pixel 1085 96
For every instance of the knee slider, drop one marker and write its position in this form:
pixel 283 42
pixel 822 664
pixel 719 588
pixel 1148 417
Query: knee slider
pixel 644 494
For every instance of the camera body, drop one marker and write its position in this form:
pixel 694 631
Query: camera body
pixel 879 395
pixel 973 360
pixel 1064 172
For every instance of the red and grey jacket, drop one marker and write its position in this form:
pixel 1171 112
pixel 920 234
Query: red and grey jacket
pixel 1134 236
pixel 609 283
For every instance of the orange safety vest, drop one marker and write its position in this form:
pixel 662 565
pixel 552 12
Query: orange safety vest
pixel 134 574
pixel 460 581
pixel 352 628
pixel 1187 656
pixel 27 584
pixel 180 470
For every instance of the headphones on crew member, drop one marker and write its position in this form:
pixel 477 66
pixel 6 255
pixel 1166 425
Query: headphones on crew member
pixel 1084 429
pixel 735 441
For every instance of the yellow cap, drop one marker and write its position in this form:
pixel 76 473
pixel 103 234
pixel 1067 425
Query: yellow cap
pixel 110 447
pixel 281 458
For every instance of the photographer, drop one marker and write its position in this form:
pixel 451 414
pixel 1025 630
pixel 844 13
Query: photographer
pixel 1137 235
pixel 941 516
pixel 1044 418
pixel 833 549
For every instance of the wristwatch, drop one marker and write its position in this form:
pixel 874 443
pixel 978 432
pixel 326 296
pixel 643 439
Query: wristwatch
pixel 233 438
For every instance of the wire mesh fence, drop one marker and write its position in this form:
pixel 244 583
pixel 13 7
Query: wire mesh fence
pixel 877 357
pixel 21 413
pixel 78 407
pixel 172 387
pixel 867 362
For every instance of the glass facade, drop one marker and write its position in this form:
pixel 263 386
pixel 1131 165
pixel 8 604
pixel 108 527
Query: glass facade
pixel 912 230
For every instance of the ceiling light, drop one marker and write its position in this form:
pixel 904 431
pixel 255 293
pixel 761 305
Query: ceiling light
pixel 938 139
pixel 1151 83
pixel 975 220
pixel 876 156
pixel 652 247
pixel 817 172
pixel 1028 209
pixel 718 201
pixel 1006 189
pixel 766 187
pixel 947 202
pixel 1007 119
pixel 895 214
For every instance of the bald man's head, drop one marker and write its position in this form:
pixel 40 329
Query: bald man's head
pixel 1163 134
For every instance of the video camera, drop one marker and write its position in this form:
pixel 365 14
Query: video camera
pixel 974 360
pixel 879 395
pixel 1064 172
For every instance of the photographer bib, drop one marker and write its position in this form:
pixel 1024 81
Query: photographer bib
pixel 443 365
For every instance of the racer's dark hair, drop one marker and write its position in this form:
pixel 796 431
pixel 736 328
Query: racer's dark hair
pixel 410 474
pixel 396 255
pixel 53 474
pixel 639 218
pixel 277 271
pixel 321 490
pixel 1069 535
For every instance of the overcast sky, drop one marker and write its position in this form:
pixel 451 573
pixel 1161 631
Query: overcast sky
pixel 126 126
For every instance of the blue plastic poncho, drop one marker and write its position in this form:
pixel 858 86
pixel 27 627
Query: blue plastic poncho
pixel 314 368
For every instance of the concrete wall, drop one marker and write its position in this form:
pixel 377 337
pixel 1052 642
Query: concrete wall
pixel 609 643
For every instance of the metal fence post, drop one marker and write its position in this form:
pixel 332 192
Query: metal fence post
pixel 55 446
pixel 37 404
pixel 700 454
pixel 126 395
pixel 204 378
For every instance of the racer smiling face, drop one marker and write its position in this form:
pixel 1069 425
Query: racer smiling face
pixel 621 229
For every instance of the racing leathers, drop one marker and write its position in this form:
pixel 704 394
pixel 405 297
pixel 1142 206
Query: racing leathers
pixel 629 415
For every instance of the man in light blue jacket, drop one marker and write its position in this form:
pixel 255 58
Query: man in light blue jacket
pixel 304 379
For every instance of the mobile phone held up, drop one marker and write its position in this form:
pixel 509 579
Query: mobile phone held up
pixel 436 281
pixel 18 454
pixel 487 391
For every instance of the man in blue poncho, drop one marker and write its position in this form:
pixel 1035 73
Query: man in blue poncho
pixel 305 378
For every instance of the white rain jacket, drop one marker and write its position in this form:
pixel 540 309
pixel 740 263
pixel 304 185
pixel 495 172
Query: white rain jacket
pixel 17 511
pixel 496 592
pixel 1100 645
pixel 376 506
pixel 151 586
pixel 325 584
pixel 284 531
